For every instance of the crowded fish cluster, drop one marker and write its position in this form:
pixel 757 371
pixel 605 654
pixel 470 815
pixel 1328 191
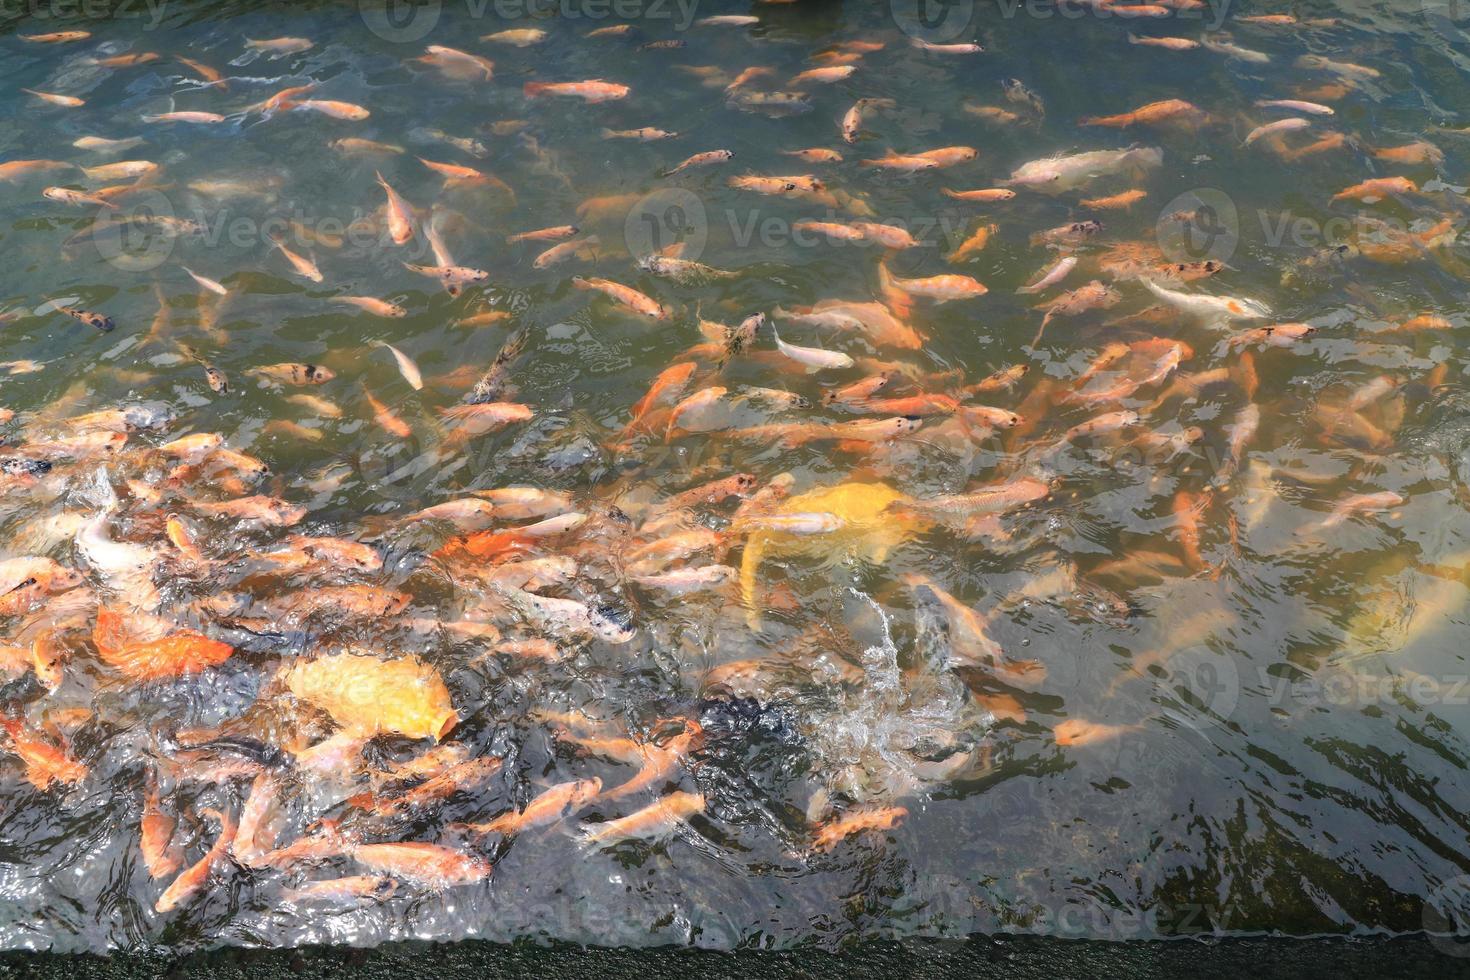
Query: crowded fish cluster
pixel 822 520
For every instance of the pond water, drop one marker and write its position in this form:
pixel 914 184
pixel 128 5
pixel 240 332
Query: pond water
pixel 596 471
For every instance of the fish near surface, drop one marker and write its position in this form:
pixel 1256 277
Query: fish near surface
pixel 866 528
pixel 366 694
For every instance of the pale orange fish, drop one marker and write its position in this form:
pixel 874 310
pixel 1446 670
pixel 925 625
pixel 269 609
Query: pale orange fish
pixel 161 854
pixel 552 805
pixel 520 37
pixel 669 383
pixel 373 305
pixel 194 446
pixel 1376 189
pixel 183 538
pixel 56 37
pixel 327 107
pixel 1171 111
pixel 556 233
pixel 584 248
pixel 746 75
pixel 123 169
pixel 1417 154
pixel 831 229
pixel 889 236
pixel 467 514
pixel 993 499
pixel 351 144
pixel 859 391
pixel 852 120
pixel 593 91
pixel 1425 321
pixel 210 75
pixel 984 194
pixel 427 865
pixel 458 63
pixel 15 169
pixel 626 296
pixel 1188 508
pixel 1079 731
pixel 975 243
pixel 521 503
pixel 268 511
pixel 1276 335
pixel 400 215
pixel 991 113
pixel 340 891
pixel 295 373
pixel 660 817
pixel 281 45
pixel 816 154
pixel 185 117
pixel 451 276
pixel 941 288
pixel 69 101
pixel 193 879
pixel 304 266
pixel 45 762
pixel 645 134
pixel 475 420
pixel 830 834
pixel 338 551
pixel 126 60
pixel 385 417
pixel 1107 422
pixel 461 777
pixel 929 403
pixel 484 319
pixel 701 160
pixel 1361 503
pixel 76 198
pixel 1114 202
pixel 827 75
pixel 908 162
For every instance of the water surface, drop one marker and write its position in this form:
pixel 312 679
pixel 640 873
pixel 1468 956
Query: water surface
pixel 1279 725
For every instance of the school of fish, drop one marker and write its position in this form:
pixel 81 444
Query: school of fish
pixel 145 553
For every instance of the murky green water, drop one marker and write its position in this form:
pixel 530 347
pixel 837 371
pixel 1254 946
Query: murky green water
pixel 1185 691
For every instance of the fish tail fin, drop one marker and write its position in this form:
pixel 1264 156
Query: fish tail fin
pixel 532 89
pixel 750 561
